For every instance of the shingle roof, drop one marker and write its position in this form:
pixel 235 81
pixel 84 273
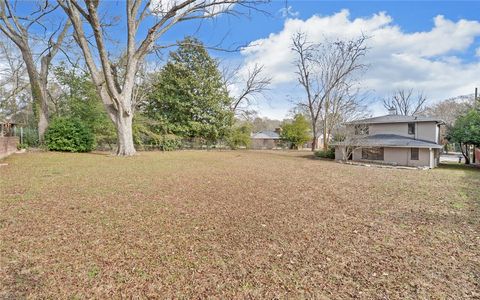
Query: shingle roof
pixel 388 140
pixel 396 119
pixel 266 134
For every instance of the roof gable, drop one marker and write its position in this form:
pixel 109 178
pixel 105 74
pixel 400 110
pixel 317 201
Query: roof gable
pixel 387 140
pixel 265 134
pixel 396 119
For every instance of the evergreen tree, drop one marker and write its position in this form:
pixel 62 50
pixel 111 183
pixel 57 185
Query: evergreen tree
pixel 189 97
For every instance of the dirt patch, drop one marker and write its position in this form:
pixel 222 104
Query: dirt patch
pixel 235 224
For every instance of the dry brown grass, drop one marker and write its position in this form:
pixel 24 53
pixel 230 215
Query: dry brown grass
pixel 235 225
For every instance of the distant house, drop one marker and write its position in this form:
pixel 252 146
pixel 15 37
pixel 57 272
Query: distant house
pixel 308 145
pixel 266 139
pixel 392 139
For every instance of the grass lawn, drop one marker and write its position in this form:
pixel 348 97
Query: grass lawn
pixel 234 225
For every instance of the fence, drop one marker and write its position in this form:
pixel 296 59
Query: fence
pixel 8 145
pixel 27 136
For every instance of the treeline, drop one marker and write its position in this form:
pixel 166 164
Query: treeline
pixel 185 104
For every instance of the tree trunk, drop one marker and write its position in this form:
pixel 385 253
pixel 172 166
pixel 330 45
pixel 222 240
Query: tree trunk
pixel 123 124
pixel 465 153
pixel 42 121
pixel 38 91
pixel 325 124
pixel 325 138
pixel 314 141
pixel 474 155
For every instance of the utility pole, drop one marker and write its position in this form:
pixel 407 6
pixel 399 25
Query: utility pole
pixel 476 104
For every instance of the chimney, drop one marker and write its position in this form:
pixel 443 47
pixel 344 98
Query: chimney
pixel 392 111
pixel 278 130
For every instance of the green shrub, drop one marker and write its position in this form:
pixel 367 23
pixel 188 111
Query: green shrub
pixel 170 142
pixel 239 137
pixel 70 135
pixel 296 132
pixel 30 137
pixel 22 146
pixel 330 153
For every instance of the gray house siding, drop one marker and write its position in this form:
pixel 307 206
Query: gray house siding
pixel 391 133
pixel 427 131
pixel 394 156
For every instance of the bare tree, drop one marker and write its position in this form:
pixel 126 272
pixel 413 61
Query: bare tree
pixel 322 69
pixel 450 109
pixel 351 138
pixel 306 65
pixel 13 81
pixel 405 102
pixel 345 104
pixel 116 89
pixel 19 30
pixel 253 86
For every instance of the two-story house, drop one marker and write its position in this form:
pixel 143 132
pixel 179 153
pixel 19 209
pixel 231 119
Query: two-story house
pixel 392 139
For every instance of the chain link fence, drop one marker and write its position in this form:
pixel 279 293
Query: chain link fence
pixel 28 136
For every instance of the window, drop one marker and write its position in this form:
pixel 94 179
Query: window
pixel 361 129
pixel 372 153
pixel 411 128
pixel 414 153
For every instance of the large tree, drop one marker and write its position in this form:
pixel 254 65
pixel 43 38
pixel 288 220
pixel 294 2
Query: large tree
pixel 14 95
pixel 406 102
pixel 189 97
pixel 248 85
pixel 22 31
pixel 146 23
pixel 450 109
pixel 324 71
pixel 344 104
pixel 466 132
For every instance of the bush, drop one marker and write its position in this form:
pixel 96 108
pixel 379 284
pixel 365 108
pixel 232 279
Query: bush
pixel 239 137
pixel 296 133
pixel 330 153
pixel 70 135
pixel 22 146
pixel 30 137
pixel 170 142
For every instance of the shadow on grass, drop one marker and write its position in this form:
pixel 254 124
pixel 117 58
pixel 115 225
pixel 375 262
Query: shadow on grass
pixel 471 181
pixel 457 166
pixel 293 154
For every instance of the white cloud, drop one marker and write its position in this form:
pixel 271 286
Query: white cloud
pixel 427 60
pixel 289 12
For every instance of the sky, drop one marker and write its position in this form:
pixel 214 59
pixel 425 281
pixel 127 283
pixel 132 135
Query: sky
pixel 429 46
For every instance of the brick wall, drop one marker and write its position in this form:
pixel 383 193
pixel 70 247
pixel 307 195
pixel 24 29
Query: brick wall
pixel 8 145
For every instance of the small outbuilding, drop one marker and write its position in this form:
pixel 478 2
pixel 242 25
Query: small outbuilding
pixel 266 140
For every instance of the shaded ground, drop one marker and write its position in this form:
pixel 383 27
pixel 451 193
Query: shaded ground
pixel 235 225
